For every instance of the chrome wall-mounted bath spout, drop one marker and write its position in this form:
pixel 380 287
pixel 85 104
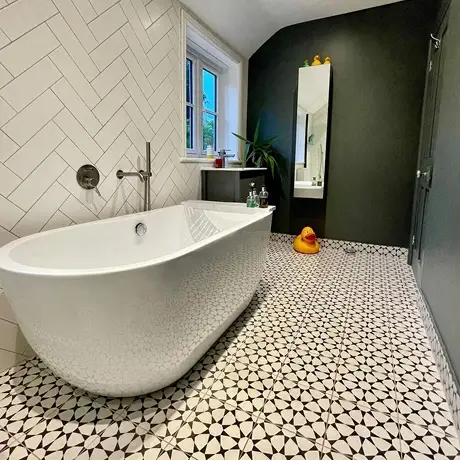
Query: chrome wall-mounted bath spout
pixel 140 174
pixel 144 176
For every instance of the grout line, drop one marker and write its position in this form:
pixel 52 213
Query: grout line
pixel 25 107
pixel 109 8
pixel 13 77
pixel 44 159
pixel 75 35
pixel 138 108
pixel 337 361
pixel 62 212
pixel 398 412
pixel 10 351
pixel 65 107
pixel 70 84
pixel 11 139
pixel 28 31
pixel 2 98
pixel 111 62
pixel 142 47
pixel 106 96
pixel 63 185
pixel 46 223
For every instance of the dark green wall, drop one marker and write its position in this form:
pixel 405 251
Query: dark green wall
pixel 379 61
pixel 440 281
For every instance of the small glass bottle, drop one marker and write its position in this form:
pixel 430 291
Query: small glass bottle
pixel 255 195
pixel 253 199
pixel 250 203
pixel 263 197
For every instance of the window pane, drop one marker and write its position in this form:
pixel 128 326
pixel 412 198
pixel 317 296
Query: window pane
pixel 189 128
pixel 209 91
pixel 209 130
pixel 189 80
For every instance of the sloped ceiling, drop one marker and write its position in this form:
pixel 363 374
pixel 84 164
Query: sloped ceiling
pixel 248 24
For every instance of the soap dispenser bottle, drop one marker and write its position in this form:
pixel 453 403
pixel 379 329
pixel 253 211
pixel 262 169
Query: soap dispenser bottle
pixel 251 201
pixel 263 197
pixel 255 195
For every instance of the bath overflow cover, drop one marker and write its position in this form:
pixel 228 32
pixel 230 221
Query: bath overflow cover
pixel 141 229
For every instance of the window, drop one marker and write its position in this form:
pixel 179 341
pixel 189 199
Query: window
pixel 202 109
pixel 213 94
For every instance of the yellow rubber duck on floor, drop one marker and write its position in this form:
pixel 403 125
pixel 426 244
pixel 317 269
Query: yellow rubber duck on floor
pixel 306 242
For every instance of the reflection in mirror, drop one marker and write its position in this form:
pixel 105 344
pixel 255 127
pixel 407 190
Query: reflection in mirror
pixel 312 131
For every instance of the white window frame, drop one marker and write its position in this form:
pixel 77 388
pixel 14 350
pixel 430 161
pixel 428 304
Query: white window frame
pixel 200 63
pixel 193 150
pixel 232 72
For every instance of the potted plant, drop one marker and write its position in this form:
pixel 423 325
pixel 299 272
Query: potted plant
pixel 261 152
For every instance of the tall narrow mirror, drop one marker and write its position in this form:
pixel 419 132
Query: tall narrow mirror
pixel 312 131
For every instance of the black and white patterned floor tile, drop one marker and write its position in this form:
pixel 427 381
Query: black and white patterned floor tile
pixel 303 412
pixel 357 430
pixel 124 439
pixel 370 360
pixel 325 339
pixel 269 441
pixel 69 428
pixel 367 388
pixel 24 407
pixel 330 361
pixel 243 383
pixel 424 408
pixel 423 443
pixel 217 429
pixel 308 370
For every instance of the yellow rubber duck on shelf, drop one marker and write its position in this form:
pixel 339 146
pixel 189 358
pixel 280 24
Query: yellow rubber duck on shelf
pixel 327 60
pixel 306 242
pixel 316 60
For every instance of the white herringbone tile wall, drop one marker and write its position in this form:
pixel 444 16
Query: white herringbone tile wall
pixel 87 81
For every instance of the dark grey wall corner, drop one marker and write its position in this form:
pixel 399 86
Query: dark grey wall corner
pixel 379 61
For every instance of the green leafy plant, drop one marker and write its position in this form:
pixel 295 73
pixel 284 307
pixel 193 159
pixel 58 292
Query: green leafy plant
pixel 260 152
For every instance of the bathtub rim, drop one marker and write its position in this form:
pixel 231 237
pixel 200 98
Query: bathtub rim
pixel 7 264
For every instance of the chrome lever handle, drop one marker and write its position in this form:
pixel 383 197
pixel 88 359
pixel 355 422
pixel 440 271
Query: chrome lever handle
pixel 91 186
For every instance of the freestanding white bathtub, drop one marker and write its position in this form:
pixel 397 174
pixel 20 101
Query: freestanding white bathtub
pixel 119 314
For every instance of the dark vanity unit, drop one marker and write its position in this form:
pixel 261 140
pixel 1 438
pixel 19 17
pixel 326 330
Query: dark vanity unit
pixel 230 184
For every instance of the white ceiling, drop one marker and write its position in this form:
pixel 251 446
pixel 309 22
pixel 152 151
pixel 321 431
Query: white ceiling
pixel 248 24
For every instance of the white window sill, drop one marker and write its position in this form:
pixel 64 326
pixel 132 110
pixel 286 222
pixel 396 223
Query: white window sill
pixel 196 160
pixel 205 160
